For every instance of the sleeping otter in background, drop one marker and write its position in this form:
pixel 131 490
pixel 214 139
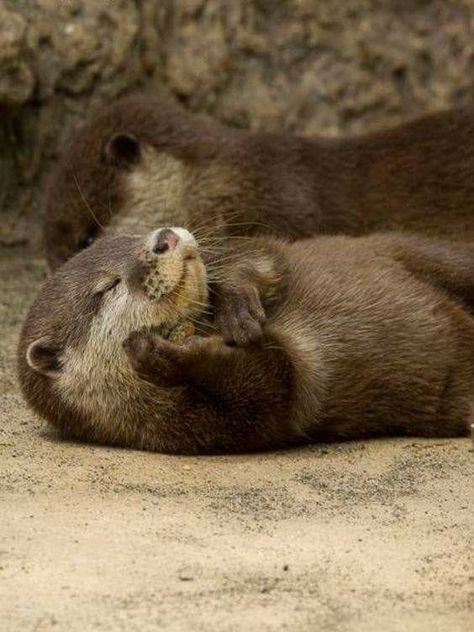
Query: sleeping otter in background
pixel 141 162
pixel 360 337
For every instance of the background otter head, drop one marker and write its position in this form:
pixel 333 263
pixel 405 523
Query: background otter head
pixel 135 164
pixel 141 162
pixel 72 367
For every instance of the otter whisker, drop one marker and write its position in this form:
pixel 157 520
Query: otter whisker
pixel 86 204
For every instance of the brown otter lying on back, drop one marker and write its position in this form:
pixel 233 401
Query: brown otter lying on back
pixel 141 162
pixel 363 337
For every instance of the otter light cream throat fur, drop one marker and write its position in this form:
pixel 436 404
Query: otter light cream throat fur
pixel 362 337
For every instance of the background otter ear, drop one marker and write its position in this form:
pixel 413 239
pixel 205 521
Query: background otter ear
pixel 42 357
pixel 122 150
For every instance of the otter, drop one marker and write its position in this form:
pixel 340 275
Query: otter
pixel 142 162
pixel 361 337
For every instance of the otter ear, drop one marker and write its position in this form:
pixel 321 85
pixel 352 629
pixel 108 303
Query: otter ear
pixel 122 150
pixel 43 358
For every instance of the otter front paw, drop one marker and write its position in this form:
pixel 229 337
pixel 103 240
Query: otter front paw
pixel 155 359
pixel 239 314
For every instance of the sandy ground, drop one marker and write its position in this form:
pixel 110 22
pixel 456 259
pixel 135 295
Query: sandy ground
pixel 363 536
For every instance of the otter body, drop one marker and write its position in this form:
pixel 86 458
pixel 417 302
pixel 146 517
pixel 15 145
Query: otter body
pixel 362 337
pixel 141 162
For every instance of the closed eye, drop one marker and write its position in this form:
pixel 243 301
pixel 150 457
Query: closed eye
pixel 112 285
pixel 107 287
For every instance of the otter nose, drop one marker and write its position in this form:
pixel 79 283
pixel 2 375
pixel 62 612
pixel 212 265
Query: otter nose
pixel 166 239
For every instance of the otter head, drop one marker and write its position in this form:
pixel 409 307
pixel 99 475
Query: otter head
pixel 135 164
pixel 72 367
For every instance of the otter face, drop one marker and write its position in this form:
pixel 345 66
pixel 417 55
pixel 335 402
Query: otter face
pixel 130 188
pixel 71 345
pixel 134 165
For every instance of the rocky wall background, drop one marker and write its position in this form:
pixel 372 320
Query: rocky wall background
pixel 310 66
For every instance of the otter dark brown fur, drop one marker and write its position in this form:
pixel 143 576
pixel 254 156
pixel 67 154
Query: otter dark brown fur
pixel 363 337
pixel 142 162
